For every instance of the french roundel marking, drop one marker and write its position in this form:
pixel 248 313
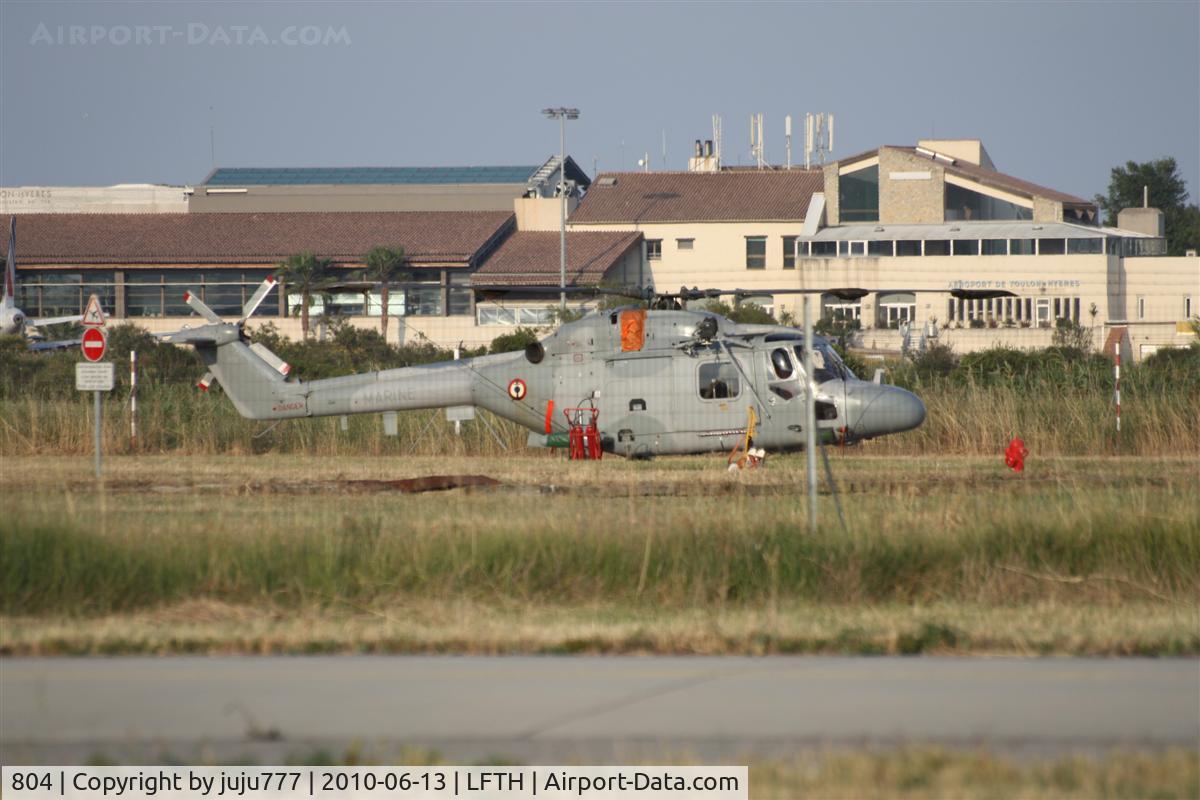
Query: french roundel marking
pixel 516 389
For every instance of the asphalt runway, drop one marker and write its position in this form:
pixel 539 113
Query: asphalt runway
pixel 547 709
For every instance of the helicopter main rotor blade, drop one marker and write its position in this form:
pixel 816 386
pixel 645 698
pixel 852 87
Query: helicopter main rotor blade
pixel 256 299
pixel 197 305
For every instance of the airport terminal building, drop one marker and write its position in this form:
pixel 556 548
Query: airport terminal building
pixel 903 227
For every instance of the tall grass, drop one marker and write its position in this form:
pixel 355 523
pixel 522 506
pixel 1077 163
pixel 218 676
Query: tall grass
pixel 964 419
pixel 1070 547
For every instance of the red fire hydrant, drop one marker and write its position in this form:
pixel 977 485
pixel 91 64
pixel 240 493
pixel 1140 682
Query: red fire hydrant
pixel 1014 456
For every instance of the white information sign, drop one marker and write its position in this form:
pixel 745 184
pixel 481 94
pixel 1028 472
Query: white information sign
pixel 94 377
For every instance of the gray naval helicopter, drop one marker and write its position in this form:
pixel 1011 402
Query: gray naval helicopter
pixel 659 380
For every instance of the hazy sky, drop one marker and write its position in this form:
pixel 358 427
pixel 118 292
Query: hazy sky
pixel 101 93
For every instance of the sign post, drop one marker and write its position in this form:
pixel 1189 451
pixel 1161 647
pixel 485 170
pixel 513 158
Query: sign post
pixel 94 376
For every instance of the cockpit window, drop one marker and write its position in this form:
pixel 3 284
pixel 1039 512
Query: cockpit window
pixel 781 362
pixel 719 381
pixel 827 366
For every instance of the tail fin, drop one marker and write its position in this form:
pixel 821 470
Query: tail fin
pixel 10 267
pixel 250 374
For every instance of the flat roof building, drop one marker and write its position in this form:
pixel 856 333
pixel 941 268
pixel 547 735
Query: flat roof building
pixel 485 188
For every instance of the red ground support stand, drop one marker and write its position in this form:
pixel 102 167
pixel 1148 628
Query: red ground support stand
pixel 584 438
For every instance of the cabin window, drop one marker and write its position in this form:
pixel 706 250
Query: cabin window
pixel 719 381
pixel 781 362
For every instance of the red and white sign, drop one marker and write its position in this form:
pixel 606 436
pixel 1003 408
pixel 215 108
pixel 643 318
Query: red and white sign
pixel 94 344
pixel 93 315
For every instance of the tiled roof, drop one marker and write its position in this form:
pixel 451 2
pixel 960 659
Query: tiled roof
pixel 531 258
pixel 999 180
pixel 988 177
pixel 749 195
pixel 428 237
pixel 1012 184
pixel 289 176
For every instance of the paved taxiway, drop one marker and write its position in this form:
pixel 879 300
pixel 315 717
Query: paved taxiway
pixel 556 707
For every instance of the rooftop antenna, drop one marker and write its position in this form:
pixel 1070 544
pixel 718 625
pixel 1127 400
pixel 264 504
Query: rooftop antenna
pixel 756 139
pixel 664 161
pixel 787 132
pixel 818 137
pixel 716 123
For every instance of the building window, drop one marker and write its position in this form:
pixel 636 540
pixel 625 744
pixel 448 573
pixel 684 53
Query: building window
pixel 1187 307
pixel 964 204
pixel 654 249
pixel 908 247
pixel 937 247
pixel 858 195
pixel 1021 247
pixel 965 247
pixel 1141 308
pixel 1052 247
pixel 839 309
pixel 994 247
pixel 719 381
pixel 685 244
pixel 881 248
pixel 756 252
pixel 496 315
pixel 824 249
pixel 1090 247
pixel 896 308
pixel 789 252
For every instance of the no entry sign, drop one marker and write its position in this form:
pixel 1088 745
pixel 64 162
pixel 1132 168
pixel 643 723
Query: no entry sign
pixel 94 344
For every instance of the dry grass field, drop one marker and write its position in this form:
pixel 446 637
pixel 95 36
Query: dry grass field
pixel 288 554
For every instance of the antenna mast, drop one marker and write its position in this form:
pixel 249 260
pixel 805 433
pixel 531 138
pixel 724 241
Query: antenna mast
pixel 818 137
pixel 787 132
pixel 756 140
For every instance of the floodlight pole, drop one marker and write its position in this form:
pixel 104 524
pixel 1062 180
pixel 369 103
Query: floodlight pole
pixel 562 115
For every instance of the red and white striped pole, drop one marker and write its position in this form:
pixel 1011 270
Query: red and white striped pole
pixel 133 400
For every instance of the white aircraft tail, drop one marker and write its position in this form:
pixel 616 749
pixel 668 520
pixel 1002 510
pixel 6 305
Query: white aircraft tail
pixel 10 265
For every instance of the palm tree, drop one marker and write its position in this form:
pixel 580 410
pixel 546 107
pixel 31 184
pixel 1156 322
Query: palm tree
pixel 306 274
pixel 383 265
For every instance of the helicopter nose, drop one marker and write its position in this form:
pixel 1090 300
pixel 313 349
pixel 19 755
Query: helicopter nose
pixel 885 409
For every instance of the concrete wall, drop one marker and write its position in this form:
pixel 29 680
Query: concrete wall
pixel 905 195
pixel 121 199
pixel 1047 210
pixel 541 213
pixel 718 254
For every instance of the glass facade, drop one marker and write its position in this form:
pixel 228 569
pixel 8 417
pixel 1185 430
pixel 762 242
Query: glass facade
pixel 858 195
pixel 965 205
pixel 54 293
